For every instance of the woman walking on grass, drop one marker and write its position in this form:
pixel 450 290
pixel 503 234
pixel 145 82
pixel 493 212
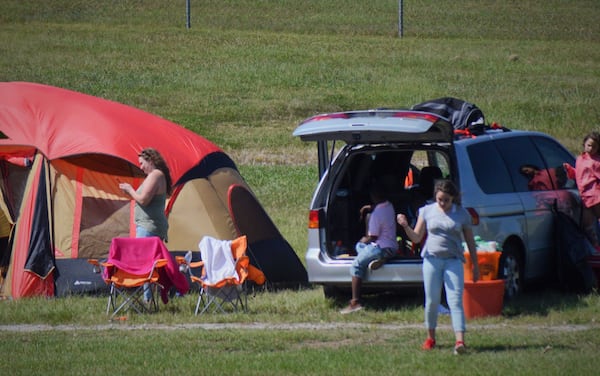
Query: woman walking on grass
pixel 446 223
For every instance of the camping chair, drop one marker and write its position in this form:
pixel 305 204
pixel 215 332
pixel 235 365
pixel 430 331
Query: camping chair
pixel 225 272
pixel 131 268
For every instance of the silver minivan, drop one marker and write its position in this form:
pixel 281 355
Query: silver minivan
pixel 509 182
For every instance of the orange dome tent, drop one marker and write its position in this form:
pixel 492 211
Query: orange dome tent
pixel 62 156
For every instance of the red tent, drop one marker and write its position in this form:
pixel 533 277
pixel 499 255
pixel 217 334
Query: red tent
pixel 61 123
pixel 62 155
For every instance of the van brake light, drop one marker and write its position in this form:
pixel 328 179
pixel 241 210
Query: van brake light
pixel 416 115
pixel 339 115
pixel 313 219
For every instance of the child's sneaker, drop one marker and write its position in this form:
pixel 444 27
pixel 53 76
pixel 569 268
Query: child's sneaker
pixel 429 344
pixel 354 306
pixel 376 264
pixel 460 348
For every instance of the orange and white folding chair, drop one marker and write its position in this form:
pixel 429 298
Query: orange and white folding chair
pixel 224 276
pixel 133 265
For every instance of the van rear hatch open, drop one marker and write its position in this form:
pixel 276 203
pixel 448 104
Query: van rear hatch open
pixel 374 126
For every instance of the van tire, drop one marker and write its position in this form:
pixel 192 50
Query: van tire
pixel 511 271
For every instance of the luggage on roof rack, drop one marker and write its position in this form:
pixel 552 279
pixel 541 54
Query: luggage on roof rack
pixel 462 115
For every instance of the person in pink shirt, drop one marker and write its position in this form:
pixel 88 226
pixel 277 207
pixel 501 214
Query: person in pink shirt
pixel 378 245
pixel 587 176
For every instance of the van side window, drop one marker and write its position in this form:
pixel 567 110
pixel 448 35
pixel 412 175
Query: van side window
pixel 555 156
pixel 527 168
pixel 489 169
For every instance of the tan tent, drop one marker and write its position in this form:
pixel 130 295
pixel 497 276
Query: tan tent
pixel 62 156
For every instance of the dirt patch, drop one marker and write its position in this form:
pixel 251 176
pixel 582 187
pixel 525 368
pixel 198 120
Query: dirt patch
pixel 281 326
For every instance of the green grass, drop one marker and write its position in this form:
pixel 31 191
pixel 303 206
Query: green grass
pixel 244 75
pixel 251 352
pixel 297 332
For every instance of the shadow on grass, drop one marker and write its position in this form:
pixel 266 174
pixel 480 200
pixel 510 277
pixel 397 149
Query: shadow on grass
pixel 406 298
pixel 513 348
pixel 541 300
pixel 396 300
pixel 537 300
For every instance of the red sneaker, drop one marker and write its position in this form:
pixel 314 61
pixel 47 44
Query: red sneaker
pixel 460 348
pixel 429 344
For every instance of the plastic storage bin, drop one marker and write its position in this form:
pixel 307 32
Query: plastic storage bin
pixel 483 298
pixel 488 265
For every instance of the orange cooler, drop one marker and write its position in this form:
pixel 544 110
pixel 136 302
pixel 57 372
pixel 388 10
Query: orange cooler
pixel 488 265
pixel 483 298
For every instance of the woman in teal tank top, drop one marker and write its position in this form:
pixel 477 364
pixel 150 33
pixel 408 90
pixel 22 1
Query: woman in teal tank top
pixel 150 197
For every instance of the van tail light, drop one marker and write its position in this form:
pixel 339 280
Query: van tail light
pixel 416 115
pixel 313 219
pixel 474 216
pixel 337 115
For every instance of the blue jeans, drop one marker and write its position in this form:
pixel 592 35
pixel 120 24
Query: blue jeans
pixel 447 272
pixel 365 253
pixel 141 232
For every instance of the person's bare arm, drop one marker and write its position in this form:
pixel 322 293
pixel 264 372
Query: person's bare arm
pixel 416 234
pixel 149 188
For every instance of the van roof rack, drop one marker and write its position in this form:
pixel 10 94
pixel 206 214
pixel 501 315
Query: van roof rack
pixel 478 131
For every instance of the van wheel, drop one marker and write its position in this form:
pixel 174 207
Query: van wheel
pixel 511 270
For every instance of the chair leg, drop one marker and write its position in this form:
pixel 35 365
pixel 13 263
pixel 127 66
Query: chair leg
pixel 122 300
pixel 155 290
pixel 215 301
pixel 111 299
pixel 244 294
pixel 200 301
pixel 208 301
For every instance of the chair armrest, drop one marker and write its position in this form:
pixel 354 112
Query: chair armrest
pixel 186 267
pixel 196 279
pixel 160 263
pixel 95 262
pixel 196 265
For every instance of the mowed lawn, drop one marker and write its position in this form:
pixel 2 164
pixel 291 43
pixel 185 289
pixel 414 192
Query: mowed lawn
pixel 243 76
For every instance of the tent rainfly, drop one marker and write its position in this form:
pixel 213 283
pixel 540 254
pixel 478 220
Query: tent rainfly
pixel 62 156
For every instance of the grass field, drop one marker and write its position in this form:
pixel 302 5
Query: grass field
pixel 298 333
pixel 243 76
pixel 247 72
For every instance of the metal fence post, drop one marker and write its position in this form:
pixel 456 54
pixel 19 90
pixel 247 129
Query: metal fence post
pixel 400 18
pixel 187 12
